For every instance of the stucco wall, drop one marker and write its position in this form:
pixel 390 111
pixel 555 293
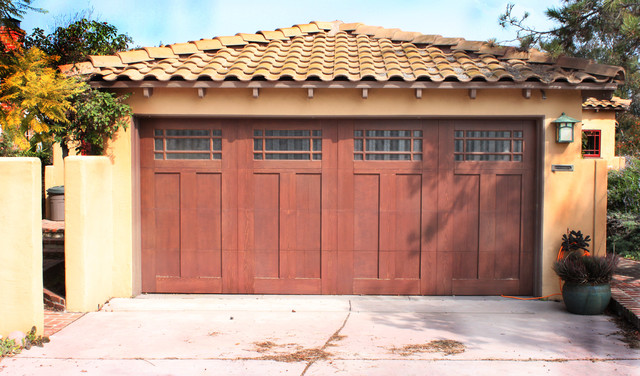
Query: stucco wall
pixel 21 304
pixel 569 199
pixel 89 251
pixel 605 121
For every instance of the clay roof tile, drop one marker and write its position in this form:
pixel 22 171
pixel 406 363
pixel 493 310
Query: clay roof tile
pixel 235 40
pixel 277 35
pixel 208 44
pixel 106 61
pixel 159 52
pixel 183 48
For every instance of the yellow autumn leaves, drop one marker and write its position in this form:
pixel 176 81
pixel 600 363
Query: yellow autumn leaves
pixel 33 96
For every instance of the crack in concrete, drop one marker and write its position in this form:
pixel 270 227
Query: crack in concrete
pixel 334 337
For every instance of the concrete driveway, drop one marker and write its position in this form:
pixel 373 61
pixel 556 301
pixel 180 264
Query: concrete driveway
pixel 317 335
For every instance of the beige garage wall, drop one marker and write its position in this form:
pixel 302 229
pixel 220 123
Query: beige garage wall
pixel 21 305
pixel 569 199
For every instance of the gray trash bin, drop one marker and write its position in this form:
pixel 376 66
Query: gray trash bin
pixel 56 202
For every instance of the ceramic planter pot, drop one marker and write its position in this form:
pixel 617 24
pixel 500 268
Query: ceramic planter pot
pixel 586 299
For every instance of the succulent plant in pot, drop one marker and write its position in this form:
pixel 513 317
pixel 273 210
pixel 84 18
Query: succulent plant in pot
pixel 587 278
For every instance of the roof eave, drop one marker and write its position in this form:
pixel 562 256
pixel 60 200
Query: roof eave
pixel 611 86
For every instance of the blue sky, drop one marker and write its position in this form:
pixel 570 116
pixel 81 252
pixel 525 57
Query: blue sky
pixel 151 22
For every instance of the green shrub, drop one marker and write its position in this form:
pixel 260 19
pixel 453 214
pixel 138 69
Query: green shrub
pixel 623 234
pixel 9 347
pixel 623 194
pixel 623 217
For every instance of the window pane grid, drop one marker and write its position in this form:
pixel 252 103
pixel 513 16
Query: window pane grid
pixel 387 145
pixel 171 144
pixel 488 145
pixel 275 144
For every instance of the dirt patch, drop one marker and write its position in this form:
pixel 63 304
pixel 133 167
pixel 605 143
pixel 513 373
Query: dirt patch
pixel 444 346
pixel 630 334
pixel 289 352
pixel 334 338
pixel 264 346
pixel 304 355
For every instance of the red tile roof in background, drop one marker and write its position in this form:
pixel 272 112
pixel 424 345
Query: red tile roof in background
pixel 615 103
pixel 10 37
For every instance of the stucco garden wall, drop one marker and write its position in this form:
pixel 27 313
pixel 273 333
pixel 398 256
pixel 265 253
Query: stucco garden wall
pixel 89 251
pixel 21 305
pixel 569 199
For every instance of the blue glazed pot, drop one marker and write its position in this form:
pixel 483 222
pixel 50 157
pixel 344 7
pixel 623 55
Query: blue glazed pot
pixel 586 299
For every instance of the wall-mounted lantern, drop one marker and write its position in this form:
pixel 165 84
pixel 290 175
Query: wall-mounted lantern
pixel 564 128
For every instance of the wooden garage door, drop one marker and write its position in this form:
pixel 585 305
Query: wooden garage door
pixel 432 207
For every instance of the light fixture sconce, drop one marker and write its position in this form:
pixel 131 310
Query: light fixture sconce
pixel 564 128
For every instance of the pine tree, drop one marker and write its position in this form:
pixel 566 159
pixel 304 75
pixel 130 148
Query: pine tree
pixel 607 31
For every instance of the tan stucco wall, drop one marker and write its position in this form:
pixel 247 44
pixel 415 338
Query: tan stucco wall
pixel 119 154
pixel 89 251
pixel 570 200
pixel 605 121
pixel 21 304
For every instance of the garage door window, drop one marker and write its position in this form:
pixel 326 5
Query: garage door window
pixel 187 144
pixel 287 144
pixel 387 145
pixel 488 146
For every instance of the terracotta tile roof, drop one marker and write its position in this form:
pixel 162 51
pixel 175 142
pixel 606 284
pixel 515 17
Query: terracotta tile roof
pixel 615 104
pixel 353 52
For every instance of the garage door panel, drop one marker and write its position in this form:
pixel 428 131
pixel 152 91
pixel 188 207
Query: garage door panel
pixel 386 287
pixel 201 225
pixel 308 212
pixel 508 225
pixel 487 264
pixel 297 286
pixel 365 263
pixel 266 225
pixel 167 222
pixel 185 285
pixel 366 209
pixel 307 264
pixel 407 212
pixel 267 263
pixel 407 264
pixel 465 218
pixel 485 287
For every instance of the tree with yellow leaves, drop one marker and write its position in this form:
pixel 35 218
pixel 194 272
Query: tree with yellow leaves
pixel 34 96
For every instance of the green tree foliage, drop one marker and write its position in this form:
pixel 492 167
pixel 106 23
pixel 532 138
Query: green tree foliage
pixel 607 31
pixel 34 96
pixel 75 42
pixel 97 117
pixel 90 117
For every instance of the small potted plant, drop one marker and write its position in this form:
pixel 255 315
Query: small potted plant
pixel 587 278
